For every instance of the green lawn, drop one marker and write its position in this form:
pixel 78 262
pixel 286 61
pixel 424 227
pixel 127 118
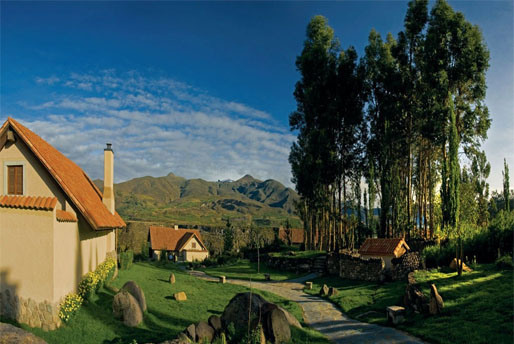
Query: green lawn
pixel 478 307
pixel 165 317
pixel 299 254
pixel 246 270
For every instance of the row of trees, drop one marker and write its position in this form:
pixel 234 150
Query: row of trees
pixel 401 118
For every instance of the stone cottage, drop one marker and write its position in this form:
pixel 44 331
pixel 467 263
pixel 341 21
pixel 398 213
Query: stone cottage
pixel 55 225
pixel 184 245
pixel 385 248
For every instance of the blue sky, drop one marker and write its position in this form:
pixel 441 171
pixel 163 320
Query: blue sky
pixel 203 89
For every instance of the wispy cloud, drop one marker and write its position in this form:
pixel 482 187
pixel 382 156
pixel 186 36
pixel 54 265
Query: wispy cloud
pixel 158 125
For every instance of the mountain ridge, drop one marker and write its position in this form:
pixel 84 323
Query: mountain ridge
pixel 175 198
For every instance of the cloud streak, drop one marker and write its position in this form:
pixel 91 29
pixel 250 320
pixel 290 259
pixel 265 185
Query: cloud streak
pixel 157 126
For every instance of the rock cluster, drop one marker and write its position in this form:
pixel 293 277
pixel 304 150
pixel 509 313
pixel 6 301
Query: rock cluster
pixel 414 300
pixel 454 265
pixel 129 304
pixel 245 309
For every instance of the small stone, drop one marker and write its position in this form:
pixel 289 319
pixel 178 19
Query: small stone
pixel 308 285
pixel 172 278
pixel 454 265
pixel 324 290
pixel 267 277
pixel 223 279
pixel 180 296
pixel 395 314
pixel 332 291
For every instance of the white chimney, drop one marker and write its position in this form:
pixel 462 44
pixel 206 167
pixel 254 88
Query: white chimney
pixel 108 196
pixel 176 227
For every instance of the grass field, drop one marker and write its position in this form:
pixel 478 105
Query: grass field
pixel 478 307
pixel 246 270
pixel 165 318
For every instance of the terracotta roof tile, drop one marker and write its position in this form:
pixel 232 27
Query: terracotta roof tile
pixel 28 202
pixel 70 177
pixel 382 246
pixel 65 216
pixel 170 239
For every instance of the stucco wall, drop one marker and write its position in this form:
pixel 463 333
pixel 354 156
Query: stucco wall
pixel 26 253
pixel 37 181
pixel 192 256
pixel 67 267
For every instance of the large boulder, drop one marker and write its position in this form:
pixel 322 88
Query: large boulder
pixel 10 334
pixel 276 326
pixel 190 331
pixel 242 305
pixel 215 322
pixel 454 265
pixel 290 318
pixel 126 307
pixel 436 301
pixel 137 292
pixel 204 332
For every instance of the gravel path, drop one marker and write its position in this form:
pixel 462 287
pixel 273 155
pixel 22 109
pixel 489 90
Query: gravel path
pixel 323 316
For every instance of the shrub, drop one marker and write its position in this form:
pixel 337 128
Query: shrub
pixel 504 263
pixel 69 306
pixel 126 259
pixel 93 280
pixel 145 251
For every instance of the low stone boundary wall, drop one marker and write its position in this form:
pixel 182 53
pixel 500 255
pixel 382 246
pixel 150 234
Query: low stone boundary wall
pixel 353 267
pixel 291 264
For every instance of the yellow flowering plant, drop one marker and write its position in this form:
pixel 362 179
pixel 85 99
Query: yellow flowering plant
pixel 69 306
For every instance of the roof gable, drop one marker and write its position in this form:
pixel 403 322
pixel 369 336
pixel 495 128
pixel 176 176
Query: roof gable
pixel 383 246
pixel 170 239
pixel 75 183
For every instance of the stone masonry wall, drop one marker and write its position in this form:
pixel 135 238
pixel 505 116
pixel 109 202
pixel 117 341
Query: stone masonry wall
pixel 353 267
pixel 30 312
pixel 290 264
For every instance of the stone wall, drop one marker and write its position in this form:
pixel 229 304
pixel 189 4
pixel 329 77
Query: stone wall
pixel 28 311
pixel 353 267
pixel 298 265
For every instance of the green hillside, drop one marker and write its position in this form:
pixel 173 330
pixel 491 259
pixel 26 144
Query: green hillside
pixel 173 199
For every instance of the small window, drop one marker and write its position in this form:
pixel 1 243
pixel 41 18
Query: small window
pixel 15 180
pixel 193 244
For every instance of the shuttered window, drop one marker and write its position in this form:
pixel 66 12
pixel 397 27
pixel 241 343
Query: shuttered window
pixel 15 180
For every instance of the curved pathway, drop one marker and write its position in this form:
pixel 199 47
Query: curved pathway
pixel 323 316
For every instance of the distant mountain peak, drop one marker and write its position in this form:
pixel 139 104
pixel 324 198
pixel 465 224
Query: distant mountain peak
pixel 247 178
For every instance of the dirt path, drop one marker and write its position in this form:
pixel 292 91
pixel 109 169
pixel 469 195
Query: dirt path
pixel 323 316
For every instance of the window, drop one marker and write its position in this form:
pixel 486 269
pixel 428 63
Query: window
pixel 15 180
pixel 193 244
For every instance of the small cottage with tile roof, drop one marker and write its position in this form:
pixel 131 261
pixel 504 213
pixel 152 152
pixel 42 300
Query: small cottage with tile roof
pixel 387 249
pixel 55 225
pixel 293 235
pixel 185 245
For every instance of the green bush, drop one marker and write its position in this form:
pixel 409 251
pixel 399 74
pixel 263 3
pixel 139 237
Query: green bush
pixel 145 251
pixel 504 263
pixel 126 259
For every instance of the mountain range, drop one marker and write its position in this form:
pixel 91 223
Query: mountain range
pixel 174 199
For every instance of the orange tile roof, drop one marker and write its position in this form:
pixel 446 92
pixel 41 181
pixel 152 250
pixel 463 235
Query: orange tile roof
pixel 86 197
pixel 65 216
pixel 170 239
pixel 28 202
pixel 382 246
pixel 296 234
